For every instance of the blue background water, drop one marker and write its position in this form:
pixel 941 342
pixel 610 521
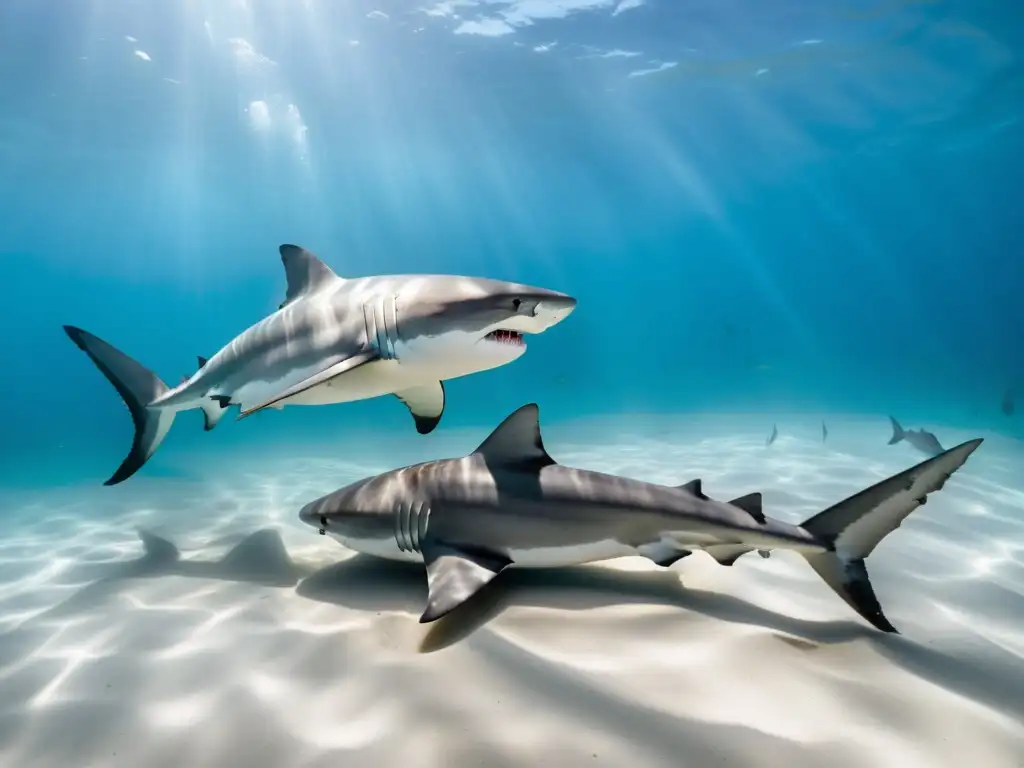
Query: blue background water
pixel 814 208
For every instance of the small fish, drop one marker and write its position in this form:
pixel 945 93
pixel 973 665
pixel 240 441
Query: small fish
pixel 922 440
pixel 772 436
pixel 1008 401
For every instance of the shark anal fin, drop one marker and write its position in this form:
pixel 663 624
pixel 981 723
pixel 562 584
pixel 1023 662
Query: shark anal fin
pixel 325 375
pixel 425 403
pixel 752 505
pixel 304 272
pixel 517 440
pixel 455 574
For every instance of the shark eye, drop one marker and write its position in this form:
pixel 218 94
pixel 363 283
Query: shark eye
pixel 516 303
pixel 323 521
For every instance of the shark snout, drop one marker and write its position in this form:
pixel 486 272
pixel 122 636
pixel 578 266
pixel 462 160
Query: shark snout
pixel 554 308
pixel 310 515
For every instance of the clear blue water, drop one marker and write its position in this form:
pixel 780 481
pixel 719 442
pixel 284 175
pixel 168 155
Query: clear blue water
pixel 761 207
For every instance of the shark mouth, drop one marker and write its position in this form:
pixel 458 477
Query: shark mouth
pixel 515 338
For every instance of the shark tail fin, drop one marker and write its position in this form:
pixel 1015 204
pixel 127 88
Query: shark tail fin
pixel 139 388
pixel 852 528
pixel 897 432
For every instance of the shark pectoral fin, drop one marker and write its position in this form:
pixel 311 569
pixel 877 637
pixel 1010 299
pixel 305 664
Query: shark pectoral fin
pixel 425 403
pixel 454 575
pixel 752 505
pixel 516 441
pixel 727 554
pixel 344 366
pixel 304 272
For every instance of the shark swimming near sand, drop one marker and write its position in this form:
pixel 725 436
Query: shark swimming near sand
pixel 335 340
pixel 922 440
pixel 510 505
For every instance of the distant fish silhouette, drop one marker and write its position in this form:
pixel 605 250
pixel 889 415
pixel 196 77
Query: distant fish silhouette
pixel 1008 401
pixel 824 432
pixel 773 435
pixel 922 440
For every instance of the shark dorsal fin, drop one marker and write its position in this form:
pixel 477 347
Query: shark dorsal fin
pixel 695 487
pixel 304 272
pixel 201 360
pixel 516 440
pixel 752 505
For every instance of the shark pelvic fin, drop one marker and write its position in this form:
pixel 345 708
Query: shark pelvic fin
pixel 304 272
pixel 727 554
pixel 425 403
pixel 852 528
pixel 752 505
pixel 663 553
pixel 213 412
pixel 328 373
pixel 454 575
pixel 517 440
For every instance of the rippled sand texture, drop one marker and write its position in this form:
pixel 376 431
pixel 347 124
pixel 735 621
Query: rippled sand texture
pixel 268 645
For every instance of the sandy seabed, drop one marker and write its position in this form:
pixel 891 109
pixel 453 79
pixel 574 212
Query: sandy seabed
pixel 267 645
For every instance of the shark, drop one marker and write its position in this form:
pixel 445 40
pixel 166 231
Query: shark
pixel 335 340
pixel 921 439
pixel 508 504
pixel 773 436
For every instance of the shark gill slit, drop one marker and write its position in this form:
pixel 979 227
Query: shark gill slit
pixel 370 323
pixel 391 325
pixel 411 523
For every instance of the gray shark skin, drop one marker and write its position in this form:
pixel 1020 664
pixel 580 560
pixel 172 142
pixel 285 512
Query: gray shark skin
pixel 336 340
pixel 509 504
pixel 922 440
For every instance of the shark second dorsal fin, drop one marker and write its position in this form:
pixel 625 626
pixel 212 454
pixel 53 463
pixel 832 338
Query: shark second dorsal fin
pixel 304 272
pixel 516 440
pixel 751 504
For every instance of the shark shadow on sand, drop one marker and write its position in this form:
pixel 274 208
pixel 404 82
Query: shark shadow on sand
pixel 366 583
pixel 260 558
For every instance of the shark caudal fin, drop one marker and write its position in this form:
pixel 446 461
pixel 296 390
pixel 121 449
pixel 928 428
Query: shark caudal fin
pixel 138 387
pixel 897 432
pixel 854 527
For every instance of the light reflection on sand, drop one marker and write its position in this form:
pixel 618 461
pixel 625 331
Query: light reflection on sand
pixel 291 651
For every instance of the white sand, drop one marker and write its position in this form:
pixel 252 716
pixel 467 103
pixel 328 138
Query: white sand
pixel 304 655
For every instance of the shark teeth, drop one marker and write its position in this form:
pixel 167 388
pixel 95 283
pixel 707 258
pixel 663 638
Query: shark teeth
pixel 506 337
